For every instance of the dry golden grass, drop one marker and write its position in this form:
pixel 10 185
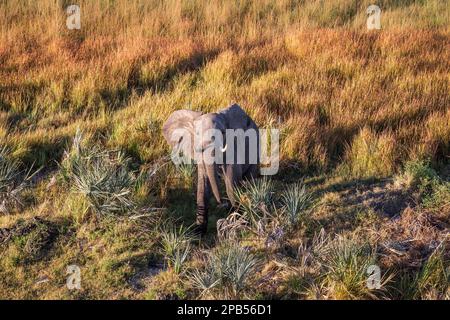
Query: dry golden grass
pixel 325 85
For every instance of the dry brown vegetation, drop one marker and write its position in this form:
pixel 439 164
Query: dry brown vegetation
pixel 364 117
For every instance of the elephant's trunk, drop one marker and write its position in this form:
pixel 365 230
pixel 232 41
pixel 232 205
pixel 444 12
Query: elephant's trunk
pixel 213 178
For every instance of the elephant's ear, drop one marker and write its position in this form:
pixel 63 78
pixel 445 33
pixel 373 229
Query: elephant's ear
pixel 178 130
pixel 237 118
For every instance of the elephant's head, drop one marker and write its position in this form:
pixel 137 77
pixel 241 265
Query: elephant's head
pixel 178 131
pixel 200 138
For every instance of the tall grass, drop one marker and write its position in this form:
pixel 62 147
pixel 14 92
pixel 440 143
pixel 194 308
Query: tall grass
pixel 149 58
pixel 162 18
pixel 370 154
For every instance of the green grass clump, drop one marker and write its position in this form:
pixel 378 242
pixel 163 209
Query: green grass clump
pixel 13 181
pixel 227 272
pixel 419 174
pixel 433 280
pixel 176 245
pixel 296 201
pixel 102 177
pixel 254 198
pixel 345 264
pixel 186 172
pixel 439 198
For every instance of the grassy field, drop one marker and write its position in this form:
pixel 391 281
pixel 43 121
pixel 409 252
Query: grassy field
pixel 85 177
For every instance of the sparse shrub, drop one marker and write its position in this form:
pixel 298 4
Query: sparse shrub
pixel 102 177
pixel 417 174
pixel 303 275
pixel 33 237
pixel 227 272
pixel 296 201
pixel 176 244
pixel 420 176
pixel 39 239
pixel 13 181
pixel 439 198
pixel 266 216
pixel 257 207
pixel 205 280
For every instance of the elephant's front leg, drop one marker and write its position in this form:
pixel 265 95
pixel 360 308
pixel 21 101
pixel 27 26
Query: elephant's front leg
pixel 233 175
pixel 203 196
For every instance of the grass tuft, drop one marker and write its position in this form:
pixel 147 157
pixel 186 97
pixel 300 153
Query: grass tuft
pixel 254 198
pixel 13 181
pixel 227 272
pixel 176 245
pixel 296 201
pixel 346 263
pixel 102 177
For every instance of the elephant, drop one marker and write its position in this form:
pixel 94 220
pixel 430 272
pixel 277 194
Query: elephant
pixel 224 137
